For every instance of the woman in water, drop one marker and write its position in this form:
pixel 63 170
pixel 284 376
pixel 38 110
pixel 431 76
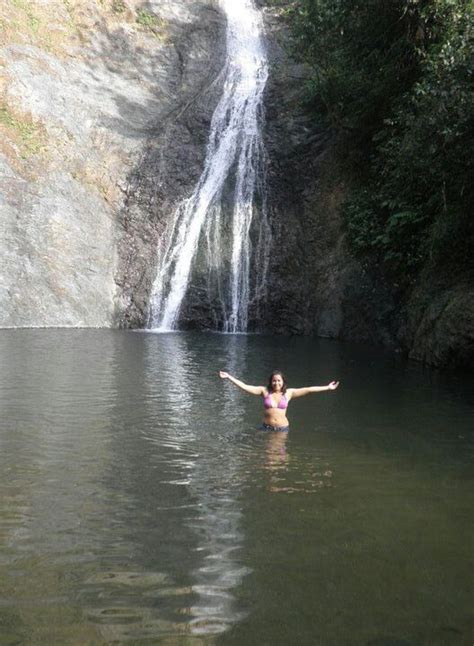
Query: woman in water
pixel 276 397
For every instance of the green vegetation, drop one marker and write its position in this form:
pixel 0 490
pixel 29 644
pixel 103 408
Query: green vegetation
pixel 24 6
pixel 27 135
pixel 394 82
pixel 118 6
pixel 151 22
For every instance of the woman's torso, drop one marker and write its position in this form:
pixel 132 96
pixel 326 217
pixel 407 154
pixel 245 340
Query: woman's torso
pixel 275 405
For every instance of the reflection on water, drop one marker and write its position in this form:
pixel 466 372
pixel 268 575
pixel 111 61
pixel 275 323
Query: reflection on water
pixel 276 451
pixel 141 504
pixel 192 472
pixel 286 475
pixel 210 482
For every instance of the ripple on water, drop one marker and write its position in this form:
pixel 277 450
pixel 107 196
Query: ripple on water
pixel 132 513
pixel 135 579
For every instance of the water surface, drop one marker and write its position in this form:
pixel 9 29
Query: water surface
pixel 140 504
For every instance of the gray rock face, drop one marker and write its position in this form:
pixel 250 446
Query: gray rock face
pixel 57 255
pixel 101 131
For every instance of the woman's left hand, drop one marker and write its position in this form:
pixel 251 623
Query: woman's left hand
pixel 333 385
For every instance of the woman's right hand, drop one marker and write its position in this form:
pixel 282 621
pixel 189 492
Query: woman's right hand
pixel 223 375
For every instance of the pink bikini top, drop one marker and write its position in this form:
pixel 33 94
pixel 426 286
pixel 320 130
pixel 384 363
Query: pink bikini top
pixel 268 402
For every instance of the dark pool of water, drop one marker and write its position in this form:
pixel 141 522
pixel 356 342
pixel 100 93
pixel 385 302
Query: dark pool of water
pixel 140 504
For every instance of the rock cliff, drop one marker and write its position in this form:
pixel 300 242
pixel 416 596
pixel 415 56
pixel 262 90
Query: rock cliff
pixel 103 116
pixel 316 285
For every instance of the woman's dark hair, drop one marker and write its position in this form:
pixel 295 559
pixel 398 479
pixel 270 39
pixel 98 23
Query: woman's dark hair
pixel 274 374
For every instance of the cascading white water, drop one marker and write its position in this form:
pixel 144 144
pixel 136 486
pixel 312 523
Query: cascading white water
pixel 234 153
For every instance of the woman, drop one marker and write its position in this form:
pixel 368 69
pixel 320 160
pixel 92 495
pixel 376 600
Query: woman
pixel 276 397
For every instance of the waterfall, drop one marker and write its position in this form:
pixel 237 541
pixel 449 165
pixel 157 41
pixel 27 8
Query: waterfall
pixel 233 239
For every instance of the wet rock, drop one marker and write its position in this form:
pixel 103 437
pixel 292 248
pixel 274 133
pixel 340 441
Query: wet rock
pixel 172 160
pixel 315 286
pixel 440 329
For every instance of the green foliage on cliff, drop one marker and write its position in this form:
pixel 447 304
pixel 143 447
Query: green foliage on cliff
pixel 28 137
pixel 151 22
pixel 394 81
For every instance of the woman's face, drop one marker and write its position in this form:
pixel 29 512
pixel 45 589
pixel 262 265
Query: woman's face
pixel 277 383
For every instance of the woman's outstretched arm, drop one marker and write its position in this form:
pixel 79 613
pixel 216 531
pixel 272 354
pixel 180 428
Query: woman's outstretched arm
pixel 300 392
pixel 253 390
